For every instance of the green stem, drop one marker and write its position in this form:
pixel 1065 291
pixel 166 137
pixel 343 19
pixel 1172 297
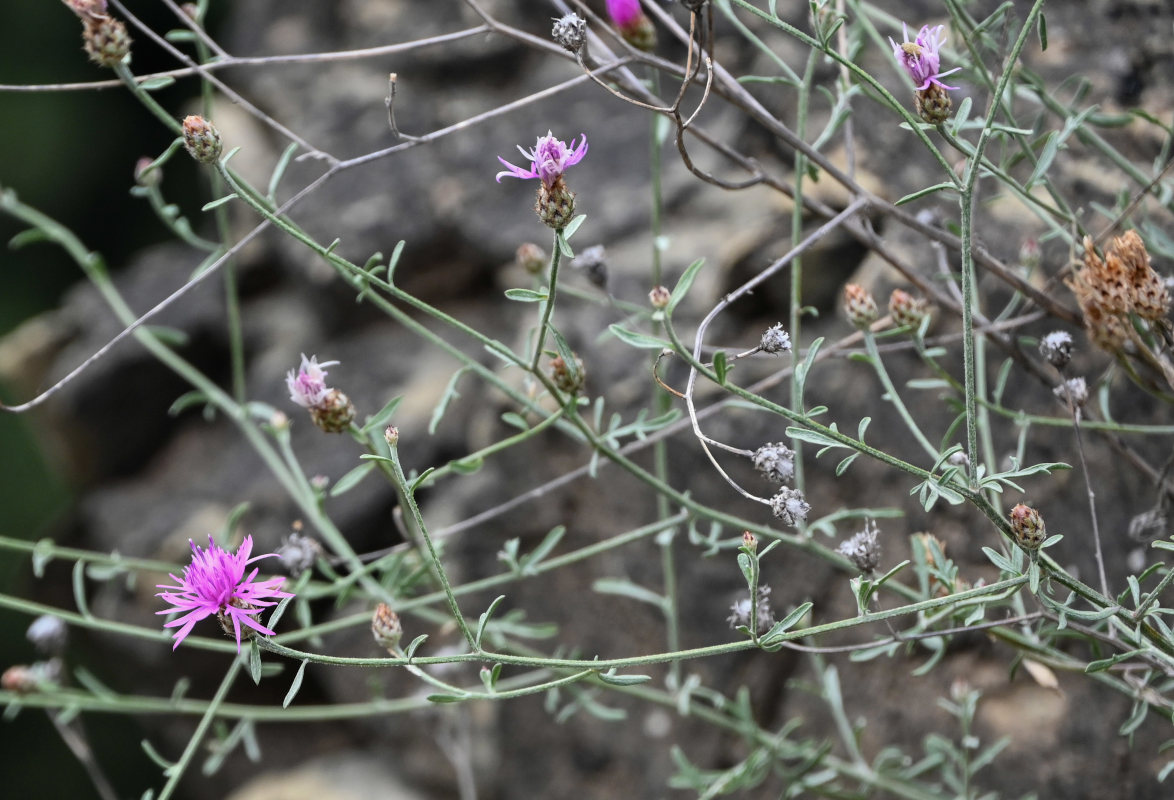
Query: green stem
pixel 878 366
pixel 548 305
pixel 210 713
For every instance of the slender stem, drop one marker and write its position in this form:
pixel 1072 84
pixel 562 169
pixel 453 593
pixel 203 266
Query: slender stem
pixel 210 713
pixel 878 366
pixel 556 255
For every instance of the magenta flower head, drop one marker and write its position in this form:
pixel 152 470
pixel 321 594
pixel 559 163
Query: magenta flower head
pixel 215 583
pixel 331 410
pixel 922 58
pixel 548 160
pixel 634 26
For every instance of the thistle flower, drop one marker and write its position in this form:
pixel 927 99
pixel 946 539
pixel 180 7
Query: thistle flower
pixel 331 410
pixel 922 60
pixel 633 25
pixel 548 160
pixel 215 583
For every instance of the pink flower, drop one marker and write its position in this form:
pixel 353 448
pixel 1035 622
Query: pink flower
pixel 548 160
pixel 308 387
pixel 624 12
pixel 215 583
pixel 921 58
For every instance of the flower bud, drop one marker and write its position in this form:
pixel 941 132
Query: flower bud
pixel 201 139
pixel 659 297
pixel 391 435
pixel 106 41
pixel 145 175
pixel 386 628
pixel 749 541
pixel 531 258
pixel 568 378
pixel 906 309
pixel 859 305
pixel 1028 527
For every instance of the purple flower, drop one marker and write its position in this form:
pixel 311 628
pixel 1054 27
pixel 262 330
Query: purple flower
pixel 921 58
pixel 548 160
pixel 624 12
pixel 308 387
pixel 215 583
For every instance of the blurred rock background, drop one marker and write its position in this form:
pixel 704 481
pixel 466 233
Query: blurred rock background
pixel 105 467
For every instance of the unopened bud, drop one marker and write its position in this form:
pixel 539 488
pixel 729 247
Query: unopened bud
pixel 1030 253
pixel 1028 527
pixel 906 309
pixel 386 628
pixel 145 174
pixel 391 435
pixel 569 378
pixel 749 541
pixel 531 258
pixel 106 41
pixel 201 139
pixel 859 305
pixel 659 297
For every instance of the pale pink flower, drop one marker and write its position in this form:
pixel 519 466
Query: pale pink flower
pixel 548 160
pixel 215 584
pixel 308 386
pixel 922 58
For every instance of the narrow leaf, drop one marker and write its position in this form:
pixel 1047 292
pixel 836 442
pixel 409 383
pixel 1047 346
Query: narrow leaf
pixel 296 685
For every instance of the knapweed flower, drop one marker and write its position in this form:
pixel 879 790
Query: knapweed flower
pixel 922 59
pixel 331 410
pixel 215 583
pixel 633 25
pixel 548 161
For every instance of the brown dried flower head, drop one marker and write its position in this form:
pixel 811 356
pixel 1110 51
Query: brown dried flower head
pixel 1111 288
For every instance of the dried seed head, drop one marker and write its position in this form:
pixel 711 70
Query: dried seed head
pixel 1073 391
pixel 48 634
pixel 775 340
pixel 531 258
pixel 959 459
pixel 740 611
pixel 906 309
pixel 1028 527
pixel 386 628
pixel 570 31
pixel 593 260
pixel 201 139
pixel 659 297
pixel 298 553
pixel 775 461
pixel 859 305
pixel 789 506
pixel 1149 525
pixel 1056 347
pixel 863 549
pixel 1111 288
